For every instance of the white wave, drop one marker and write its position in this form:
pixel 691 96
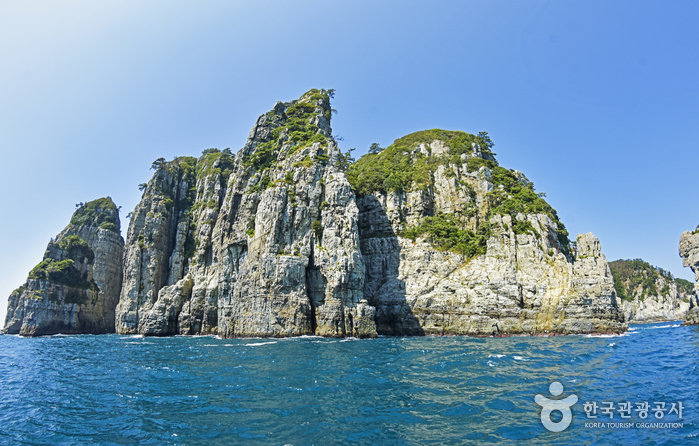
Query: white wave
pixel 496 356
pixel 490 363
pixel 260 343
pixel 664 326
pixel 519 358
pixel 606 335
pixel 612 344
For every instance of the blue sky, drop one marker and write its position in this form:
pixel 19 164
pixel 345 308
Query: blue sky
pixel 597 102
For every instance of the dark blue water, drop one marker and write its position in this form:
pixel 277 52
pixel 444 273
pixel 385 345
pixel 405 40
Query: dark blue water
pixel 116 390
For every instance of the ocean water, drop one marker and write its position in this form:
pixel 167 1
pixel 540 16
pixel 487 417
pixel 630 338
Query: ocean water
pixel 128 390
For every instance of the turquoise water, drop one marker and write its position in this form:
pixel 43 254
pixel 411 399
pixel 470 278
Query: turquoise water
pixel 114 390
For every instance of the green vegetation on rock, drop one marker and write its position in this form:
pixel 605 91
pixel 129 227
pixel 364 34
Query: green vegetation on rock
pixel 215 162
pixel 395 168
pixel 401 167
pixel 101 212
pixel 293 125
pixel 61 272
pixel 76 297
pixel 684 286
pixel 77 249
pixel 629 275
pixel 317 227
pixel 445 235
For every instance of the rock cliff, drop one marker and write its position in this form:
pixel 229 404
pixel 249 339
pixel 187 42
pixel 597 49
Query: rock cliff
pixel 289 236
pixel 263 243
pixel 455 244
pixel 689 251
pixel 650 294
pixel 75 288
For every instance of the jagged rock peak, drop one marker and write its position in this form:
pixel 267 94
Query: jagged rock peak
pixel 290 124
pixel 689 251
pixel 75 288
pixel 261 244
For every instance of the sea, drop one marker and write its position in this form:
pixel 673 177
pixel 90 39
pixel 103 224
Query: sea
pixel 131 390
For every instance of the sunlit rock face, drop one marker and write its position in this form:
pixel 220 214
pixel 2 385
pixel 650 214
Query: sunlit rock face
pixel 260 243
pixel 287 237
pixel 75 288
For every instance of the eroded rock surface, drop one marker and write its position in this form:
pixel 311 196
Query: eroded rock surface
pixel 689 251
pixel 288 237
pixel 648 293
pixel 263 243
pixel 524 283
pixel 75 288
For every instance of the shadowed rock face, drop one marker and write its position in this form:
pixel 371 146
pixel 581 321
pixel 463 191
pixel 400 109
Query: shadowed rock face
pixel 75 289
pixel 689 251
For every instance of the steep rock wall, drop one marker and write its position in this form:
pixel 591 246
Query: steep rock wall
pixel 689 251
pixel 524 280
pixel 75 289
pixel 263 243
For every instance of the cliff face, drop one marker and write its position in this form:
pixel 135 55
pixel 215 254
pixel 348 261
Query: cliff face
pixel 264 243
pixel 75 288
pixel 273 241
pixel 648 293
pixel 689 251
pixel 288 237
pixel 463 246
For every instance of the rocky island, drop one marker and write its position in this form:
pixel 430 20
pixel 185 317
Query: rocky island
pixel 289 236
pixel 649 293
pixel 76 286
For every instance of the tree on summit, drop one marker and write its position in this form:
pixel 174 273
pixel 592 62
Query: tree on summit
pixel 374 149
pixel 157 164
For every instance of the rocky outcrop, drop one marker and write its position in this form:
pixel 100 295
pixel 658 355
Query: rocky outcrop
pixel 289 237
pixel 263 243
pixel 75 288
pixel 521 278
pixel 273 241
pixel 648 293
pixel 689 251
pixel 669 307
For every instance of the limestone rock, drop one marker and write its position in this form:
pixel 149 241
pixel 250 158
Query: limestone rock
pixel 689 251
pixel 648 293
pixel 525 281
pixel 75 289
pixel 282 239
pixel 267 239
